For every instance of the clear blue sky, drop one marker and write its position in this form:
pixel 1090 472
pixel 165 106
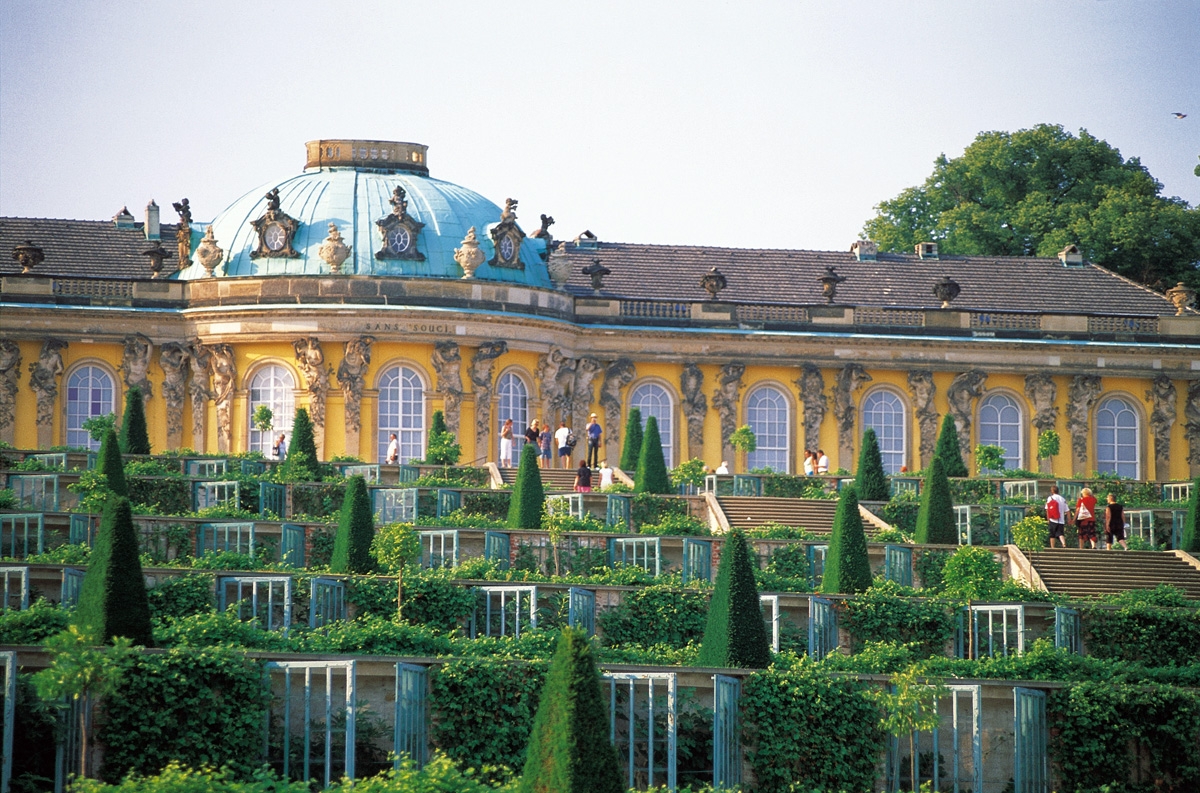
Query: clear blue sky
pixel 747 124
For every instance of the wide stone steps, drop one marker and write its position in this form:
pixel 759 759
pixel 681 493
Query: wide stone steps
pixel 748 512
pixel 1102 572
pixel 553 479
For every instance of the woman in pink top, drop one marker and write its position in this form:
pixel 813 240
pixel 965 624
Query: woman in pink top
pixel 1085 517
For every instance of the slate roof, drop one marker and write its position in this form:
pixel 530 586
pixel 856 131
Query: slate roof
pixel 88 248
pixel 672 272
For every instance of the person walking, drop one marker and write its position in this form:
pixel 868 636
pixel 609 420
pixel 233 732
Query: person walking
pixel 1114 523
pixel 606 475
pixel 594 431
pixel 563 437
pixel 583 478
pixel 1085 517
pixel 810 465
pixel 1056 516
pixel 506 443
pixel 393 450
pixel 822 462
pixel 280 448
pixel 532 433
pixel 545 438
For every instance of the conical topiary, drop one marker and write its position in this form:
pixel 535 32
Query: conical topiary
pixel 355 531
pixel 847 569
pixel 304 443
pixel 633 440
pixel 652 476
pixel 525 508
pixel 569 748
pixel 135 439
pixel 870 481
pixel 109 463
pixel 1190 541
pixel 734 634
pixel 949 450
pixel 935 517
pixel 112 601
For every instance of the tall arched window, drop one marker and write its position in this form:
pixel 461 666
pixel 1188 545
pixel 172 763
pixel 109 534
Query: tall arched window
pixel 884 412
pixel 514 404
pixel 1117 433
pixel 274 387
pixel 768 416
pixel 402 411
pixel 1000 425
pixel 654 400
pixel 89 394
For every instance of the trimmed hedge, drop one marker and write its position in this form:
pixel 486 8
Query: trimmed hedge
pixel 948 449
pixel 935 518
pixel 112 600
pixel 135 439
pixel 735 634
pixel 847 569
pixel 529 496
pixel 870 480
pixel 633 440
pixel 356 530
pixel 652 476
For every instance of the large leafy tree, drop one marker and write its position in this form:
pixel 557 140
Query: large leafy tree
pixel 1035 191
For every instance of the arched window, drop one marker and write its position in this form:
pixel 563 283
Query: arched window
pixel 1000 425
pixel 768 416
pixel 402 411
pixel 884 412
pixel 1117 433
pixel 274 387
pixel 514 404
pixel 89 394
pixel 654 400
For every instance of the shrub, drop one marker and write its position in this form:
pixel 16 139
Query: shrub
pixel 442 448
pixel 1031 533
pixel 356 530
pixel 654 615
pixel 690 472
pixel 847 569
pixel 935 518
pixel 112 600
pixel 883 614
pixel 948 449
pixel 633 440
pixel 673 525
pixel 870 480
pixel 303 442
pixel 134 437
pixel 528 498
pixel 181 597
pixel 651 467
pixel 972 573
pixel 33 625
pixel 1191 521
pixel 734 634
pixel 108 462
pixel 989 459
pixel 1047 444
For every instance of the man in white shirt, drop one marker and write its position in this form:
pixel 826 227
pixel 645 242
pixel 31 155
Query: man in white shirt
pixel 723 468
pixel 822 462
pixel 560 439
pixel 393 452
pixel 1056 516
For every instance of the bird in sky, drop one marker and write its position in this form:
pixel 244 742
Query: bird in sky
pixel 1180 115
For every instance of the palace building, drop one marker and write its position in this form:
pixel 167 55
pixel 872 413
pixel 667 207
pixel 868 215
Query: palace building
pixel 372 293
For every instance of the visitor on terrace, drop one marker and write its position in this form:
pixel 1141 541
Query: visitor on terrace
pixel 583 478
pixel 533 433
pixel 1056 515
pixel 506 443
pixel 606 475
pixel 1114 523
pixel 563 436
pixel 810 462
pixel 1085 517
pixel 544 441
pixel 594 431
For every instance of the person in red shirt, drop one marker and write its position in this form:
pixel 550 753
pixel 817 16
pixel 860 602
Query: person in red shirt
pixel 1085 517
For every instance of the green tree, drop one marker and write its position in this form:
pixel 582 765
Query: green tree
pixel 734 634
pixel 633 440
pixel 395 547
pixel 98 426
pixel 847 569
pixel 569 748
pixel 743 440
pixel 263 418
pixel 652 474
pixel 989 458
pixel 1191 522
pixel 909 706
pixel 528 498
pixel 112 600
pixel 690 472
pixel 304 446
pixel 1035 191
pixel 109 463
pixel 935 516
pixel 135 439
pixel 1047 444
pixel 870 481
pixel 949 450
pixel 355 531
pixel 442 448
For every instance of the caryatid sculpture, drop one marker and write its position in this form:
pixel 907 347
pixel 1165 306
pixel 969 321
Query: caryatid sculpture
pixel 447 360
pixel 1081 398
pixel 223 366
pixel 964 389
pixel 10 373
pixel 695 407
pixel 483 364
pixel 923 389
pixel 811 385
pixel 725 400
pixel 43 381
pixel 852 377
pixel 1162 418
pixel 135 364
pixel 352 377
pixel 617 375
pixel 200 362
pixel 310 358
pixel 173 358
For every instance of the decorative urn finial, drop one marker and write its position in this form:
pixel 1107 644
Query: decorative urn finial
pixel 208 254
pixel 157 253
pixel 946 290
pixel 829 283
pixel 559 266
pixel 469 256
pixel 333 250
pixel 596 271
pixel 1182 297
pixel 28 256
pixel 713 282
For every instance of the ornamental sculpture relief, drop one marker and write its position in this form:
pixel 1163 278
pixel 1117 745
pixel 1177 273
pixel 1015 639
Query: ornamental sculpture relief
pixel 694 406
pixel 1162 418
pixel 446 360
pixel 469 256
pixel 726 399
pixel 507 238
pixel 352 376
pixel 334 251
pixel 483 363
pixel 276 231
pixel 183 234
pixel 555 375
pixel 1081 397
pixel 923 390
pixel 200 363
pixel 1042 392
pixel 208 253
pixel 10 373
pixel 135 364
pixel 310 358
pixel 43 381
pixel 586 371
pixel 1191 429
pixel 811 385
pixel 963 391
pixel 173 358
pixel 399 231
pixel 852 378
pixel 617 375
pixel 224 377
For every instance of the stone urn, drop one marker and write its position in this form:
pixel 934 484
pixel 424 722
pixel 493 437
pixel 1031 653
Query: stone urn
pixel 29 256
pixel 469 256
pixel 946 290
pixel 333 250
pixel 829 283
pixel 1182 297
pixel 713 282
pixel 559 266
pixel 208 254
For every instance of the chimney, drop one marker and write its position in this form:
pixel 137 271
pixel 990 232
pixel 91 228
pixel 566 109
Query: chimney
pixel 864 250
pixel 124 220
pixel 152 227
pixel 927 250
pixel 1070 256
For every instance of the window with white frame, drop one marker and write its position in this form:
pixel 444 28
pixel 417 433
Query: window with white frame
pixel 654 400
pixel 274 387
pixel 769 418
pixel 89 394
pixel 1117 433
pixel 1000 425
pixel 514 404
pixel 884 412
pixel 402 411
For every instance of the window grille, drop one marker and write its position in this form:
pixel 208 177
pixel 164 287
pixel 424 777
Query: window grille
pixel 962 521
pixel 1030 764
pixel 215 494
pixel 272 499
pixel 617 510
pixel 772 619
pixel 408 473
pixel 884 412
pixel 51 460
pixel 311 723
pixel 1176 491
pixel 1070 491
pixel 439 548
pixel 394 505
pixel 1020 488
pixel 718 485
pixel 252 467
pixel 89 395
pixel 727 733
pixel 83 529
pixel 448 501
pixel 697 560
pixel 954 747
pixel 1141 523
pixel 747 485
pixel 265 598
pixel 889 316
pixel 505 610
pixel 16 588
pixel 1068 630
pixel 1002 321
pixel 1178 517
pixel 326 602
pixel 651 399
pixel 995 631
pixel 72 585
pixel 789 314
pixel 497 547
pixel 207 468
pixel 1118 433
pixel 92 288
pixel 655 310
pixel 36 492
pixel 767 413
pixel 581 609
pixel 411 736
pixel 225 538
pixel 643 552
pixel 816 564
pixel 66 752
pixel 274 387
pixel 401 409
pixel 898 564
pixel 571 504
pixel 22 534
pixel 291 545
pixel 1010 515
pixel 512 403
pixel 370 473
pixel 822 627
pixel 643 727
pixel 1122 324
pixel 905 485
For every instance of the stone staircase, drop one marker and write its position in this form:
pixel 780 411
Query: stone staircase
pixel 1094 572
pixel 554 480
pixel 749 512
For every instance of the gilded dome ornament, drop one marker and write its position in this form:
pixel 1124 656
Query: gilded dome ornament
pixel 946 289
pixel 208 254
pixel 1182 297
pixel 399 230
pixel 28 256
pixel 713 282
pixel 333 250
pixel 469 256
pixel 829 283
